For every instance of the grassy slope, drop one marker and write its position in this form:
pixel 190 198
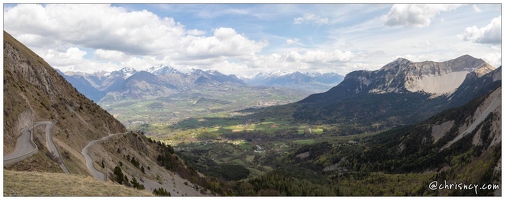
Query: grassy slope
pixel 57 184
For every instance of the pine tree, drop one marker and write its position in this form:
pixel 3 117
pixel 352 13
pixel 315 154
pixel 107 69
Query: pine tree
pixel 161 192
pixel 119 175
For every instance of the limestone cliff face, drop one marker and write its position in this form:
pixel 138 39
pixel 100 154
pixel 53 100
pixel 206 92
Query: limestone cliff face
pixel 34 91
pixel 435 78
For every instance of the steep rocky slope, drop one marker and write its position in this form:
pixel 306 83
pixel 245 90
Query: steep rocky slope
pixel 463 144
pixel 33 92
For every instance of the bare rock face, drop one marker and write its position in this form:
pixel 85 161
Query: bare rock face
pixel 443 78
pixel 483 70
pixel 473 121
pixel 435 78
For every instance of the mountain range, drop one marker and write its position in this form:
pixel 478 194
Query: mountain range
pixel 314 82
pixel 162 81
pixel 158 81
pixel 403 76
pixel 430 121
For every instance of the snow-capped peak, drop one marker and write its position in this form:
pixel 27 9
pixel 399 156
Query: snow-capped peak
pixel 126 72
pixel 314 74
pixel 101 73
pixel 280 73
pixel 162 69
pixel 213 72
pixel 246 76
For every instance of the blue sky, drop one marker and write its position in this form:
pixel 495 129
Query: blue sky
pixel 245 39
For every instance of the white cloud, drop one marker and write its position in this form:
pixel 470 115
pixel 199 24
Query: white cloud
pixel 415 15
pixel 292 41
pixel 349 67
pixel 117 34
pixel 493 59
pixel 422 45
pixel 225 42
pixel 229 67
pixel 320 56
pixel 117 37
pixel 414 58
pixel 310 18
pixel 110 55
pixel 136 62
pixel 489 34
pixel 71 56
pixel 80 65
pixel 476 9
pixel 97 26
pixel 195 32
pixel 303 60
pixel 90 66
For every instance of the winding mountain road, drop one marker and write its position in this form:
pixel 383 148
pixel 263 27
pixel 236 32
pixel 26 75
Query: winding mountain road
pixel 50 144
pixel 89 162
pixel 25 147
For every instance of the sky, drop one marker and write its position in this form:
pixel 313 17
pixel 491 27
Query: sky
pixel 244 39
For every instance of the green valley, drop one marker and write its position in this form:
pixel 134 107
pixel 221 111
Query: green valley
pixel 206 101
